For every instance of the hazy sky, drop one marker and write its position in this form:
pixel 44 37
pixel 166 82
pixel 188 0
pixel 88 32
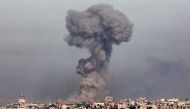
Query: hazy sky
pixel 36 61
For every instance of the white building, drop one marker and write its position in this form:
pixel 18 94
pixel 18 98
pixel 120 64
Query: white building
pixel 98 105
pixel 122 105
pixel 21 102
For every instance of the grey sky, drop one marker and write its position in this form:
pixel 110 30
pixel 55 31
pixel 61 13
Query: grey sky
pixel 36 61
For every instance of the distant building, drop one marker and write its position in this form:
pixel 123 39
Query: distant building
pixel 21 102
pixel 98 105
pixel 109 99
pixel 122 105
pixel 53 106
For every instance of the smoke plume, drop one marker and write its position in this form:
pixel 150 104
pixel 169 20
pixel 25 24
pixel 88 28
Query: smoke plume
pixel 97 29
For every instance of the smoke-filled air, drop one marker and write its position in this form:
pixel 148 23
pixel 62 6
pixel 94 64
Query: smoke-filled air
pixel 96 29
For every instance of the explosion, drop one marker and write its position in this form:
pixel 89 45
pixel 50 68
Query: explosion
pixel 96 29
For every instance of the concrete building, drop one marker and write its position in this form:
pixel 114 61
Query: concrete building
pixel 122 105
pixel 98 105
pixel 21 102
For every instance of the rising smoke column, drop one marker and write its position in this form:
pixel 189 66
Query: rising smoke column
pixel 97 29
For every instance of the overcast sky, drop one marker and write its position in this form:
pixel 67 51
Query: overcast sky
pixel 35 60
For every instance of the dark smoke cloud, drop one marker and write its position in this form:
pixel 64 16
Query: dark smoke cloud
pixel 97 29
pixel 35 60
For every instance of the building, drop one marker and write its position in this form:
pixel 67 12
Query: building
pixel 21 102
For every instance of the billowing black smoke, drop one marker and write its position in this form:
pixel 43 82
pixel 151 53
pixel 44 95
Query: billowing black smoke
pixel 96 29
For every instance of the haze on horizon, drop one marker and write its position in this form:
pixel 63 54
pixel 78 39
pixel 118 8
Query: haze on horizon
pixel 36 61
